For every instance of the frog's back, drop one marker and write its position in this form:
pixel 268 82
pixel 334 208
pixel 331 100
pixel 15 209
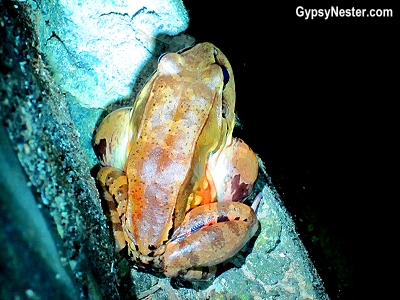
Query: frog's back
pixel 161 156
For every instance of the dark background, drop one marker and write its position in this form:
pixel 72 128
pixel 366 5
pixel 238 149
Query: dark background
pixel 316 99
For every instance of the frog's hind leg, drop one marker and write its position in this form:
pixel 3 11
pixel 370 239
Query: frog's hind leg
pixel 112 139
pixel 114 187
pixel 234 170
pixel 209 235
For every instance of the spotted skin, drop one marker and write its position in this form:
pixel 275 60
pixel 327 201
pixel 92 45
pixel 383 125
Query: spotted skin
pixel 171 168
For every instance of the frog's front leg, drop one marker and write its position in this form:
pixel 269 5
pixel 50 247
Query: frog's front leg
pixel 114 187
pixel 111 141
pixel 209 235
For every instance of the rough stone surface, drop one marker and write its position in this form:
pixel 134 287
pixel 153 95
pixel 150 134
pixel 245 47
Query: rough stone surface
pixel 96 44
pixel 29 252
pixel 44 123
pixel 41 131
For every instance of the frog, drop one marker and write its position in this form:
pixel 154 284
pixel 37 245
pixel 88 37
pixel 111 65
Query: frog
pixel 172 175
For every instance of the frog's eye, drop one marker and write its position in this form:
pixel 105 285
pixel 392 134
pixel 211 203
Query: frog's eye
pixel 162 55
pixel 225 74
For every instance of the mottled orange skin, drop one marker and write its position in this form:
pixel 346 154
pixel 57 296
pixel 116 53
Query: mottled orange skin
pixel 173 146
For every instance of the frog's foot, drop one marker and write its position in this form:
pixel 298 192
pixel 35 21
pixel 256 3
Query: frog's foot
pixel 199 273
pixel 114 187
pixel 234 171
pixel 112 138
pixel 209 235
